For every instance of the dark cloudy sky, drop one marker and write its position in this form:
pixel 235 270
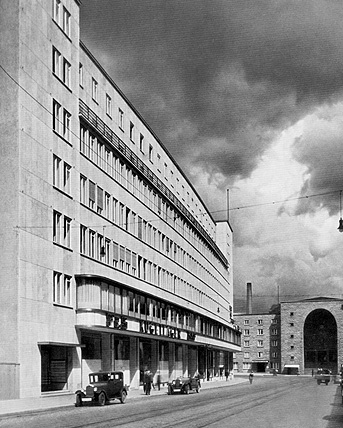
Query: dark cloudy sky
pixel 246 95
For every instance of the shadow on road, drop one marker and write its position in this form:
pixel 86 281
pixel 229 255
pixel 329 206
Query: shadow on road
pixel 335 419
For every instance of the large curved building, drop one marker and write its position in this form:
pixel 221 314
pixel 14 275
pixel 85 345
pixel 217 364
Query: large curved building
pixel 111 261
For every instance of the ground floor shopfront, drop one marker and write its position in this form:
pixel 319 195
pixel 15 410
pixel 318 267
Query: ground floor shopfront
pixel 65 368
pixel 165 359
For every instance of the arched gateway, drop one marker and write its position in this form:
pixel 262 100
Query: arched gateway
pixel 320 340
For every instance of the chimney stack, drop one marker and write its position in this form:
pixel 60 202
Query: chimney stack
pixel 249 298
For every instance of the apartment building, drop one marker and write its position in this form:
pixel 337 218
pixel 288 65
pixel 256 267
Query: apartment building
pixel 110 259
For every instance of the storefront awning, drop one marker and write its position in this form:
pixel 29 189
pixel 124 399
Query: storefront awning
pixel 70 345
pixel 292 366
pixel 261 361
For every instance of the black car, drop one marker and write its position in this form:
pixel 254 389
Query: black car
pixel 184 385
pixel 102 387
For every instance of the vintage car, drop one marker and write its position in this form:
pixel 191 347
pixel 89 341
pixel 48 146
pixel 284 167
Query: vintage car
pixel 323 376
pixel 184 385
pixel 103 387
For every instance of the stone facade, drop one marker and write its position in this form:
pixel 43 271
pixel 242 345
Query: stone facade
pixel 307 334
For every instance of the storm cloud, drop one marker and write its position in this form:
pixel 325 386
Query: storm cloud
pixel 246 95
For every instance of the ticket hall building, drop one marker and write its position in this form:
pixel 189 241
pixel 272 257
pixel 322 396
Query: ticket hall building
pixel 110 259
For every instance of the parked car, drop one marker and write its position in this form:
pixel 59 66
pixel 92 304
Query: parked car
pixel 323 376
pixel 184 385
pixel 103 387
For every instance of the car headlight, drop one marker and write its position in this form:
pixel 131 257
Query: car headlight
pixel 95 389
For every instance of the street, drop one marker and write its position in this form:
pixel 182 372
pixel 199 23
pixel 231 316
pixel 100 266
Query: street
pixel 287 402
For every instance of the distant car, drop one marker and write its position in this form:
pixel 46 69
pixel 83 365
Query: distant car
pixel 184 385
pixel 323 376
pixel 103 387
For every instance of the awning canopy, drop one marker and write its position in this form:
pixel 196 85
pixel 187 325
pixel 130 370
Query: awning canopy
pixel 261 361
pixel 292 366
pixel 70 345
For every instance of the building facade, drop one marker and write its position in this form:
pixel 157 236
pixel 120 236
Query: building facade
pixel 261 346
pixel 111 261
pixel 300 337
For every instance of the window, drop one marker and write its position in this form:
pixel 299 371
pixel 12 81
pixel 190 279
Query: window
pixel 260 331
pixel 247 332
pixel 274 354
pixel 291 314
pixel 246 343
pixel 274 343
pixel 83 232
pixel 66 72
pixel 108 105
pixel 246 322
pixel 61 174
pixel 91 195
pixel 260 343
pixel 246 354
pixel 56 62
pixel 61 120
pixel 260 354
pixel 94 90
pixel 291 324
pixel 56 11
pixel 132 127
pixel 61 229
pixel 292 336
pixel 61 17
pixel 83 189
pixel 259 322
pixel 66 22
pixel 274 331
pixel 141 143
pixel 61 289
pixel 150 153
pixel 81 75
pixel 121 119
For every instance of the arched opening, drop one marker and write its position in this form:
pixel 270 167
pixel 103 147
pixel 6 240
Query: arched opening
pixel 320 340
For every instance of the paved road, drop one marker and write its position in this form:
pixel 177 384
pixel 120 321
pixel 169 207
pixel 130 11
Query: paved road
pixel 276 402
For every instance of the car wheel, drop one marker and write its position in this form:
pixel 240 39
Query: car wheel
pixel 186 390
pixel 123 397
pixel 102 399
pixel 78 400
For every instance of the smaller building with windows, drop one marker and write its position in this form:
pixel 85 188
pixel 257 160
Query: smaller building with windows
pixel 260 343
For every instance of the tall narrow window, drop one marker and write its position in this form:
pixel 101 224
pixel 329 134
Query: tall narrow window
pixel 132 127
pixel 141 143
pixel 56 62
pixel 56 116
pixel 66 22
pixel 121 119
pixel 66 125
pixel 66 72
pixel 150 153
pixel 108 105
pixel 81 75
pixel 57 227
pixel 94 90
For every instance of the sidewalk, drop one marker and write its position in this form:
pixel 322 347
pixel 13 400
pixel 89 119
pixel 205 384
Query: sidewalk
pixel 51 401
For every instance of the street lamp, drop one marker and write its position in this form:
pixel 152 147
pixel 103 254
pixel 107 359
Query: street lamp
pixel 340 223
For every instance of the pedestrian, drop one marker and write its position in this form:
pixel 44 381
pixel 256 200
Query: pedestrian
pixel 147 382
pixel 158 381
pixel 226 374
pixel 251 377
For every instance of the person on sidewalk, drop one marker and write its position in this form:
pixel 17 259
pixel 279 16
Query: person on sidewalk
pixel 251 377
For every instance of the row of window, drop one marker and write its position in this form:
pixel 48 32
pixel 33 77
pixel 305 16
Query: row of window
pixel 106 159
pixel 260 343
pixel 99 295
pixel 162 167
pixel 103 203
pixel 95 245
pixel 260 321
